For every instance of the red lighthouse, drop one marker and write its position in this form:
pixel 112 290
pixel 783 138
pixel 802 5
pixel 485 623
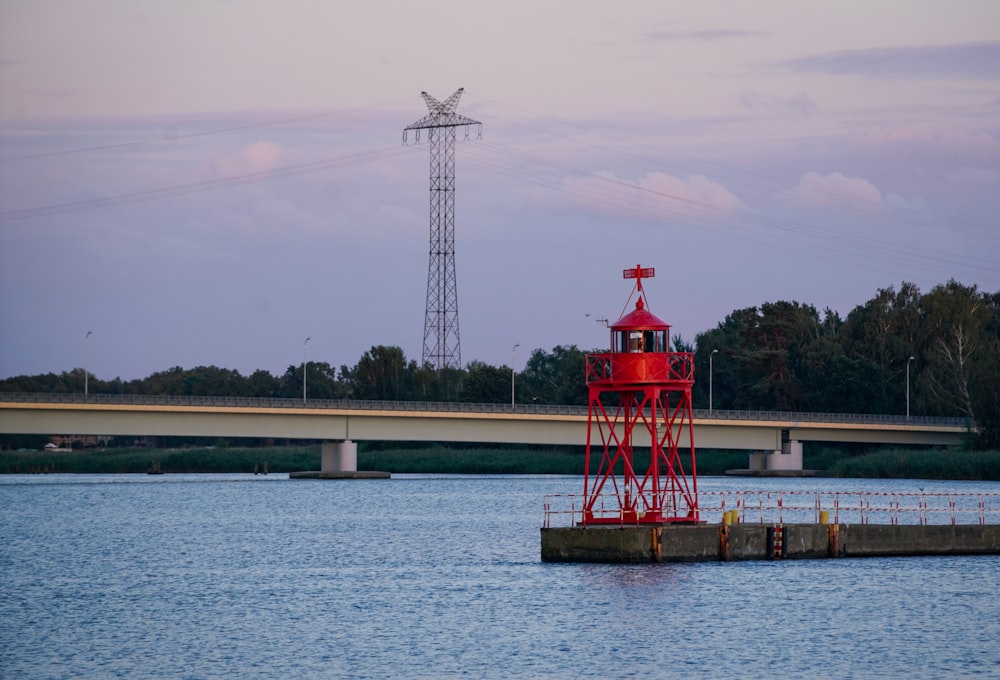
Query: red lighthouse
pixel 640 396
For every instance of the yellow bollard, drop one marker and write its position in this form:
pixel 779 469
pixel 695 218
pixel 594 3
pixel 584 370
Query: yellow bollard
pixel 727 519
pixel 824 516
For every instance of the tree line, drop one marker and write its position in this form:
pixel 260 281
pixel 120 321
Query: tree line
pixel 783 356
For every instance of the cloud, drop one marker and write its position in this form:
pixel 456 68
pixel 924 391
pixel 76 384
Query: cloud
pixel 838 193
pixel 654 196
pixel 765 103
pixel 707 35
pixel 966 60
pixel 835 189
pixel 917 207
pixel 253 158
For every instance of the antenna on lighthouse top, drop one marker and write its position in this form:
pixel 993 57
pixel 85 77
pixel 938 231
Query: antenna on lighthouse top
pixel 638 273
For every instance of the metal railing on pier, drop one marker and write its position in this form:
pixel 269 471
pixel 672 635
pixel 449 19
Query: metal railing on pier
pixel 803 507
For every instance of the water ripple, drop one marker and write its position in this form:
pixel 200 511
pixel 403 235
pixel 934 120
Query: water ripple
pixel 200 576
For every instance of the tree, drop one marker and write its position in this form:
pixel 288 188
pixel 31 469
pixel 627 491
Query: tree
pixel 835 382
pixel 558 377
pixel 212 381
pixel 46 383
pixel 762 350
pixel 486 384
pixel 719 369
pixel 382 374
pixel 260 383
pixel 322 382
pixel 431 384
pixel 169 382
pixel 883 334
pixel 680 344
pixel 985 386
pixel 955 346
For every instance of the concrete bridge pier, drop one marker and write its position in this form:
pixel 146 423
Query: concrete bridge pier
pixel 339 460
pixel 789 457
pixel 783 462
pixel 339 456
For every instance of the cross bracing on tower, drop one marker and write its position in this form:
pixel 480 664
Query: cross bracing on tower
pixel 442 345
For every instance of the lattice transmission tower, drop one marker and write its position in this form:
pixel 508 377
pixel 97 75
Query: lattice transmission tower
pixel 442 346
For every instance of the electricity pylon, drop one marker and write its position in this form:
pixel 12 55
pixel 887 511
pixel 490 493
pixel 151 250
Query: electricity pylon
pixel 442 347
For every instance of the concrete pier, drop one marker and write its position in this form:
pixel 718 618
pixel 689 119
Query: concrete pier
pixel 783 462
pixel 357 474
pixel 339 460
pixel 715 542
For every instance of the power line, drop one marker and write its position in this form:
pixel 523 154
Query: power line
pixel 199 187
pixel 853 202
pixel 507 161
pixel 614 192
pixel 203 133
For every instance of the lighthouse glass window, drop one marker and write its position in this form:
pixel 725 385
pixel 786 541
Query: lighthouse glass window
pixel 655 341
pixel 635 341
pixel 641 341
pixel 621 342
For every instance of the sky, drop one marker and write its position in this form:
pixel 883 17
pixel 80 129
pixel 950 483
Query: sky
pixel 211 183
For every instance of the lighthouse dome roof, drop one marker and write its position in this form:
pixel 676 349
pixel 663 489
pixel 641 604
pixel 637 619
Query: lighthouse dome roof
pixel 640 318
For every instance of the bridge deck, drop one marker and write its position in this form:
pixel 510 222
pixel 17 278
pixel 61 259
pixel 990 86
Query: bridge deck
pixel 144 415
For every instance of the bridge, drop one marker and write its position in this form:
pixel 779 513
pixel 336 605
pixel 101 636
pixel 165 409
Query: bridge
pixel 774 438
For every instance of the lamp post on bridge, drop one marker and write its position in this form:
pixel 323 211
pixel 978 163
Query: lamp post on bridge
pixel 710 371
pixel 908 386
pixel 513 349
pixel 86 363
pixel 304 365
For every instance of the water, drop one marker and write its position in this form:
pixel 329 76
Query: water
pixel 237 576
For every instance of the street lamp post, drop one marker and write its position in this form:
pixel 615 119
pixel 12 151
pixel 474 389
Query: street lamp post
pixel 513 349
pixel 304 364
pixel 908 386
pixel 86 363
pixel 710 372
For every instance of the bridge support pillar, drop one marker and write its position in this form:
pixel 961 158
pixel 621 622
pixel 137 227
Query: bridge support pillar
pixel 783 462
pixel 339 460
pixel 788 457
pixel 339 456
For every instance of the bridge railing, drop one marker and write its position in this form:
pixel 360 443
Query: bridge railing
pixel 460 407
pixel 808 507
pixel 288 403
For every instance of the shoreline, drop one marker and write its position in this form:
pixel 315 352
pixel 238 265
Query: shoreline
pixel 953 465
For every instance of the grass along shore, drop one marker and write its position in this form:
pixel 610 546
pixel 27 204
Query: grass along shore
pixel 886 463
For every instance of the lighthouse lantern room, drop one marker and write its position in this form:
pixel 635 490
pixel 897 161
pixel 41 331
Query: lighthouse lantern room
pixel 639 402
